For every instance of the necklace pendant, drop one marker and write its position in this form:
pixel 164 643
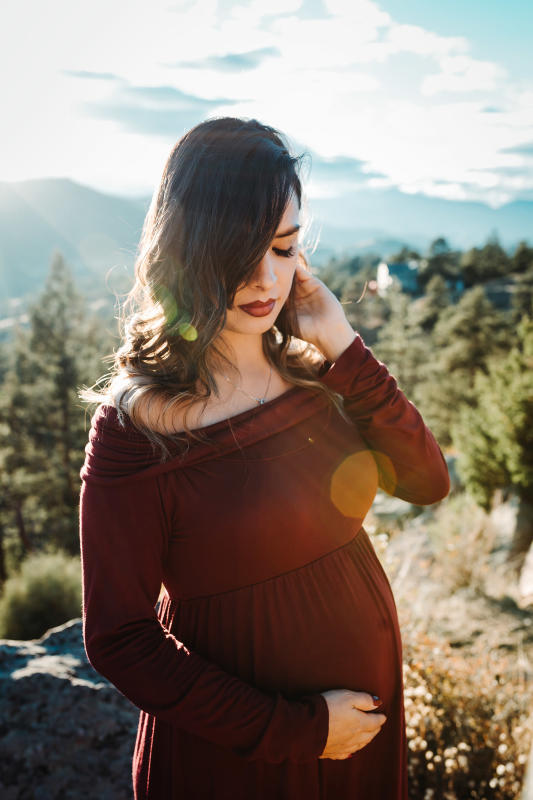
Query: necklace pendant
pixel 261 402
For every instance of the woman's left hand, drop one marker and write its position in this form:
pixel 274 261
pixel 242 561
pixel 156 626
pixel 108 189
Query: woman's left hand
pixel 320 315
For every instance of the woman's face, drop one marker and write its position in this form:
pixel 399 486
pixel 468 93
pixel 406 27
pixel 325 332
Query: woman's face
pixel 272 279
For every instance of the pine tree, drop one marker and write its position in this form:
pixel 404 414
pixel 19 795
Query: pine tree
pixel 522 297
pixel 463 338
pixel 401 343
pixel 522 260
pixel 428 308
pixel 43 424
pixel 495 436
pixel 441 261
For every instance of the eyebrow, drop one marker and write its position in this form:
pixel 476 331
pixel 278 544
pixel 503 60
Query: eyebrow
pixel 288 232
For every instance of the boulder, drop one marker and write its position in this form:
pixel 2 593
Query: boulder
pixel 65 731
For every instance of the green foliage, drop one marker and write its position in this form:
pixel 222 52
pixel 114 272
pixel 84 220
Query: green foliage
pixel 441 261
pixel 43 425
pixel 403 255
pixel 349 280
pixel 495 436
pixel 338 271
pixel 481 264
pixel 401 344
pixel 429 308
pixel 45 592
pixel 463 338
pixel 522 260
pixel 522 297
pixel 466 334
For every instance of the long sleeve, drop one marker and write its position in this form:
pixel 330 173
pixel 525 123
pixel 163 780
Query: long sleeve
pixel 410 462
pixel 123 538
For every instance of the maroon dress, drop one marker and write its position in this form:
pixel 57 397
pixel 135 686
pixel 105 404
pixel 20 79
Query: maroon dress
pixel 273 591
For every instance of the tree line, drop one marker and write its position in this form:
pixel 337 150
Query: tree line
pixel 466 364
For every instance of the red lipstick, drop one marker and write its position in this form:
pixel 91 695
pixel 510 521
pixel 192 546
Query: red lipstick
pixel 259 309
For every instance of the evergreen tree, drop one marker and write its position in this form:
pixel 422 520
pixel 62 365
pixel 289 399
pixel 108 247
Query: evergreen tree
pixel 441 261
pixel 522 297
pixel 495 436
pixel 404 255
pixel 428 308
pixel 401 343
pixel 522 260
pixel 479 265
pixel 463 338
pixel 43 424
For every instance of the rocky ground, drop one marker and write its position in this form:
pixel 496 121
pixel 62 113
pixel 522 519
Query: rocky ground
pixel 64 731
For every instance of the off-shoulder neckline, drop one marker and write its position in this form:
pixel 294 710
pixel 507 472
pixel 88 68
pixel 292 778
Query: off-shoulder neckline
pixel 221 424
pixel 248 412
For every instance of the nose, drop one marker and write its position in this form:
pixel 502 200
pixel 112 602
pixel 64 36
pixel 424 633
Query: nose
pixel 265 275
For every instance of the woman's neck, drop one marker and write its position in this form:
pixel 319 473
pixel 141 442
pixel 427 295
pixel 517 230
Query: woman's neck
pixel 245 351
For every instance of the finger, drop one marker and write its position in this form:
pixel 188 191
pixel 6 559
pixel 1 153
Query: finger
pixel 370 721
pixel 302 273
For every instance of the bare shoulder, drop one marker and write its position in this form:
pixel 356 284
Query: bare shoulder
pixel 158 413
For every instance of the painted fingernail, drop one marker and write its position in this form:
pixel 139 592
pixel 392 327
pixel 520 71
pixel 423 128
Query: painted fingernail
pixel 376 700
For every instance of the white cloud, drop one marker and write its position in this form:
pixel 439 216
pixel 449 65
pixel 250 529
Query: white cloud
pixel 464 74
pixel 401 98
pixel 417 40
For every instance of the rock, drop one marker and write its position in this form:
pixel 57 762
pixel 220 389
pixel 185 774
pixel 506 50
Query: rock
pixel 65 731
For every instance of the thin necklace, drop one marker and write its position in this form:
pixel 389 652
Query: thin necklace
pixel 259 400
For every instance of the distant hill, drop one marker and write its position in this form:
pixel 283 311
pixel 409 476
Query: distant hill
pixel 417 218
pixel 98 233
pixel 94 231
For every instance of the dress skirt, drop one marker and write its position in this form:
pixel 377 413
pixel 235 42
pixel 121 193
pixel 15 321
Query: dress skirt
pixel 331 624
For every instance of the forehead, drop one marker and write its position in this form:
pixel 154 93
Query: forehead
pixel 290 215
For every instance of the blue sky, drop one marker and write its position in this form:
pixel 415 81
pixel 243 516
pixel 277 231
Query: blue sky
pixel 496 29
pixel 427 98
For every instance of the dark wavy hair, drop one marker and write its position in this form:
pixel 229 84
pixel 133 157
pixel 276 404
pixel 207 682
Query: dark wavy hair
pixel 223 192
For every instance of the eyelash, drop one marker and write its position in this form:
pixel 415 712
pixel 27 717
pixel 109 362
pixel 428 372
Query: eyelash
pixel 285 253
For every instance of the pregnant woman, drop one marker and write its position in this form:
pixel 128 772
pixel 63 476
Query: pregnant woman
pixel 235 451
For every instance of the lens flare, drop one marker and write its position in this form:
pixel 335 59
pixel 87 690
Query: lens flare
pixel 167 302
pixel 354 483
pixel 187 331
pixel 172 313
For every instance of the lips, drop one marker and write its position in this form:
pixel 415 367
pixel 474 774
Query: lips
pixel 259 304
pixel 259 309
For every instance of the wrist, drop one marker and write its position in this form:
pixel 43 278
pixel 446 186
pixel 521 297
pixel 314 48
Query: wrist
pixel 336 341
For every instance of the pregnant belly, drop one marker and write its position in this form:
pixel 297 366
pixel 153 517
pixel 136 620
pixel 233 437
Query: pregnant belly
pixel 331 624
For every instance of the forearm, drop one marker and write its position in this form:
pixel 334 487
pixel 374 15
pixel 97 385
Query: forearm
pixel 123 545
pixel 161 676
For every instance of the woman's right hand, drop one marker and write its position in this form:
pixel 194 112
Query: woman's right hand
pixel 350 729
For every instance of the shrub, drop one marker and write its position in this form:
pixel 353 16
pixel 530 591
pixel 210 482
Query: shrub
pixel 467 722
pixel 45 592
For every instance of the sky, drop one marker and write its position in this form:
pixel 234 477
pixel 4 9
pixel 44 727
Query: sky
pixel 430 98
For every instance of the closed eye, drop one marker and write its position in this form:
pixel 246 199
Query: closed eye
pixel 285 253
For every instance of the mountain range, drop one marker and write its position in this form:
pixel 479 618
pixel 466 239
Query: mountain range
pixel 98 233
